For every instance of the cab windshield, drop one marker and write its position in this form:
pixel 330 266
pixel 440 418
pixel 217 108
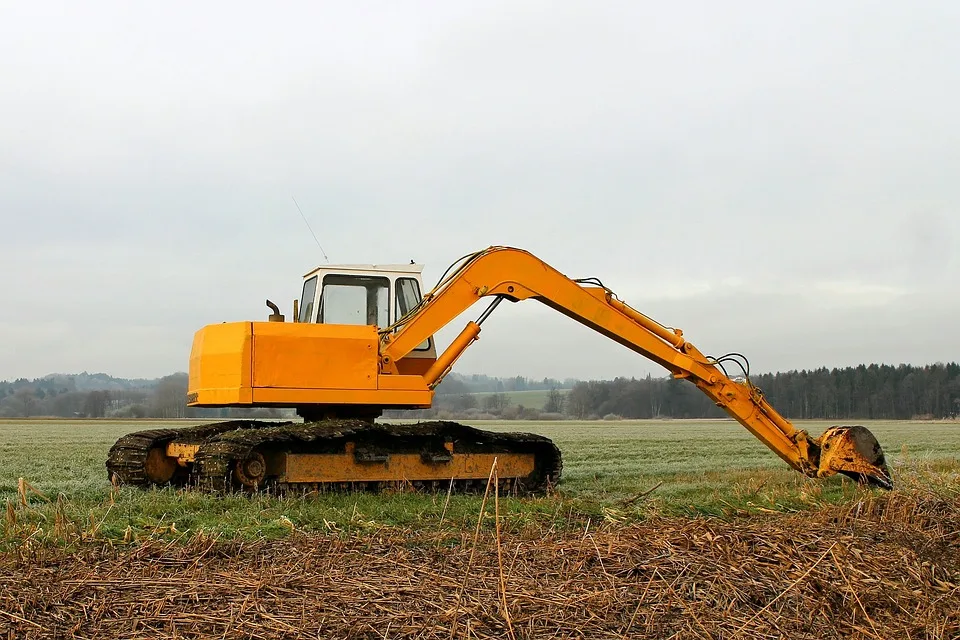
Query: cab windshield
pixel 356 300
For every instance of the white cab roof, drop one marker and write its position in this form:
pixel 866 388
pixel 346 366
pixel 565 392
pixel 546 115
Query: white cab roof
pixel 366 268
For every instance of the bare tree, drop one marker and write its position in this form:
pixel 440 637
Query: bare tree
pixel 26 401
pixel 95 404
pixel 495 403
pixel 554 403
pixel 68 403
pixel 170 397
pixel 465 401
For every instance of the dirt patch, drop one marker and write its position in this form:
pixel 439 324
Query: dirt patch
pixel 886 567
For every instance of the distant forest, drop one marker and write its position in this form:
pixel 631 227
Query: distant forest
pixel 862 392
pixel 97 395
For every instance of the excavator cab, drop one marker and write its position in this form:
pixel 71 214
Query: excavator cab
pixel 359 294
pixel 366 294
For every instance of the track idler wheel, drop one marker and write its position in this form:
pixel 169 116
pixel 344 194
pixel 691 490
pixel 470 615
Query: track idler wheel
pixel 855 452
pixel 251 471
pixel 158 467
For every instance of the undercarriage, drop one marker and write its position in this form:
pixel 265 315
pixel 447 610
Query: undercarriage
pixel 334 455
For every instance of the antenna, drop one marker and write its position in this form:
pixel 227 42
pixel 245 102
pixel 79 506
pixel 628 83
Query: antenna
pixel 311 230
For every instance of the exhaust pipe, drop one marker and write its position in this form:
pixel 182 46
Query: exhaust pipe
pixel 276 316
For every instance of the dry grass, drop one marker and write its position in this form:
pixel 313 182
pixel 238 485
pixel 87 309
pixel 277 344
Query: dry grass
pixel 883 566
pixel 604 558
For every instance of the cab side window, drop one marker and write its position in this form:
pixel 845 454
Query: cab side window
pixel 408 297
pixel 306 303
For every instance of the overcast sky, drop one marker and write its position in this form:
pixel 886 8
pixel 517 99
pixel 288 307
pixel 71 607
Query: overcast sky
pixel 779 179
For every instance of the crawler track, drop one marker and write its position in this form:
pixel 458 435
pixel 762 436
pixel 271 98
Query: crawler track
pixel 223 445
pixel 127 457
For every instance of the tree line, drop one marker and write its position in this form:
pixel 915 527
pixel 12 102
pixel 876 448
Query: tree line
pixel 458 384
pixel 873 391
pixel 59 396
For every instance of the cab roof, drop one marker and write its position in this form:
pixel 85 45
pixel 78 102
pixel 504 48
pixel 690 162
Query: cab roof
pixel 366 268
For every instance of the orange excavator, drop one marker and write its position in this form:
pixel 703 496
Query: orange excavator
pixel 361 341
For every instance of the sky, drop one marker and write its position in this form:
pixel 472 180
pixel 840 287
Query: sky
pixel 778 179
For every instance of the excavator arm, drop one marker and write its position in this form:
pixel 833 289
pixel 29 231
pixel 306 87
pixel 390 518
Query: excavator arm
pixel 514 274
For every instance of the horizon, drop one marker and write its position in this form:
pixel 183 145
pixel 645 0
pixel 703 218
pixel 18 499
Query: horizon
pixel 507 377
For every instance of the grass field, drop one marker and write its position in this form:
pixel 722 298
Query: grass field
pixel 529 399
pixel 697 467
pixel 729 543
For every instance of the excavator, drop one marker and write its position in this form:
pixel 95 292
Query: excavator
pixel 361 341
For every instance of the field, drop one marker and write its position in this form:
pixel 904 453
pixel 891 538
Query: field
pixel 690 528
pixel 699 468
pixel 530 399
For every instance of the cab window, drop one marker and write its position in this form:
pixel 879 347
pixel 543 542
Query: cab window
pixel 356 300
pixel 306 302
pixel 408 297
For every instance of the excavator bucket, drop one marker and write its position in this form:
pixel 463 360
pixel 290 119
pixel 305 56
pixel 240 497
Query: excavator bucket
pixel 854 452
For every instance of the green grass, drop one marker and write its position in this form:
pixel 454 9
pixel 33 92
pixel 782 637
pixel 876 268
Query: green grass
pixel 529 399
pixel 698 468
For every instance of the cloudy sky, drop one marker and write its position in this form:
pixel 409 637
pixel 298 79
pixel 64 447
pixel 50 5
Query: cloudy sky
pixel 780 179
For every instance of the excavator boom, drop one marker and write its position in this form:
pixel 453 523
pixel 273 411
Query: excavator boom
pixel 515 274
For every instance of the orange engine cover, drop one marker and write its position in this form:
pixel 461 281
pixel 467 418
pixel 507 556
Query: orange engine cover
pixel 281 364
